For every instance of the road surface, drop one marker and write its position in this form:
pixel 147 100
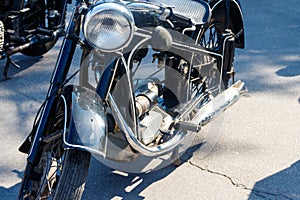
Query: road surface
pixel 257 153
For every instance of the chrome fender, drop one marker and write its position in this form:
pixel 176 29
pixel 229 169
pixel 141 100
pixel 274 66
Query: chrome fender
pixel 85 126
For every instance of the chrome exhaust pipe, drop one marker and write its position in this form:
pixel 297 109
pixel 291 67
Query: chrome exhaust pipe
pixel 219 104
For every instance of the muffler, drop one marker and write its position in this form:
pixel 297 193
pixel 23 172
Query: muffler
pixel 219 104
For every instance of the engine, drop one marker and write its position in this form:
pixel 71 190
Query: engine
pixel 152 118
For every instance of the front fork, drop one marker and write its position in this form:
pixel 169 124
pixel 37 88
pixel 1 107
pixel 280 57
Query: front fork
pixel 59 75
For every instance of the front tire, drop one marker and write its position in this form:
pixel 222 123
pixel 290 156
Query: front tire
pixel 67 183
pixel 57 173
pixel 72 181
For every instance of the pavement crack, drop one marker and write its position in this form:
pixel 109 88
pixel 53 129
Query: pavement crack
pixel 218 173
pixel 263 194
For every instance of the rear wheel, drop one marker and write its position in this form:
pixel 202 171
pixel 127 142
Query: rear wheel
pixel 212 39
pixel 59 173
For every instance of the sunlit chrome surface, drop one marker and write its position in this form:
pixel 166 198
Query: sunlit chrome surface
pixel 108 26
pixel 203 116
pixel 219 103
pixel 88 122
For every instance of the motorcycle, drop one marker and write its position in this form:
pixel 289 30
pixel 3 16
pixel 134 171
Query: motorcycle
pixel 31 27
pixel 151 75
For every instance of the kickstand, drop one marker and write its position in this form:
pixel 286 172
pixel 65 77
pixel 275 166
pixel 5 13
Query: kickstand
pixel 8 62
pixel 175 156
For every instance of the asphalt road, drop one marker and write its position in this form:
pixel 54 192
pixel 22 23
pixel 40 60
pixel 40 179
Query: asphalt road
pixel 257 153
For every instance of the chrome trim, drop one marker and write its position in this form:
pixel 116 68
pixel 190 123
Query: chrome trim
pixel 202 117
pixel 132 98
pixel 76 146
pixel 135 143
pixel 220 103
pixel 145 7
pixel 111 82
pixel 101 7
pixel 2 32
pixel 135 48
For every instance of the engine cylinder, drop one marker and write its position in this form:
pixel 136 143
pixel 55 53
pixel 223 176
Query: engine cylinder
pixel 147 98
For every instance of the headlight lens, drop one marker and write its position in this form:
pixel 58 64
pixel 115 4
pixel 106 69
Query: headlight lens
pixel 108 26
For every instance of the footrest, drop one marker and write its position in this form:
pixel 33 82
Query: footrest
pixel 187 126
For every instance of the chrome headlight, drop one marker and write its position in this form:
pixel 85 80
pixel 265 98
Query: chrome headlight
pixel 108 26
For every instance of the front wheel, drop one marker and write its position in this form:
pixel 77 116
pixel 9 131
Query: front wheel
pixel 72 181
pixel 57 173
pixel 57 178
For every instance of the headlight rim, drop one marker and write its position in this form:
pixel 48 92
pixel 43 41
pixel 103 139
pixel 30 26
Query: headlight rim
pixel 113 7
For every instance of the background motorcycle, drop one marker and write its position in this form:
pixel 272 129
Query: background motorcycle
pixel 151 74
pixel 31 27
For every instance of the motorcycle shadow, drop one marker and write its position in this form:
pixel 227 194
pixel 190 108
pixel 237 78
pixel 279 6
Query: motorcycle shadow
pixel 19 63
pixel 8 193
pixel 104 183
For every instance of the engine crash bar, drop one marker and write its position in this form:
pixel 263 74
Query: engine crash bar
pixel 204 115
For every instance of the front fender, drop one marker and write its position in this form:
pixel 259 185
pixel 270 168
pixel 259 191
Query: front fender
pixel 236 14
pixel 85 126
